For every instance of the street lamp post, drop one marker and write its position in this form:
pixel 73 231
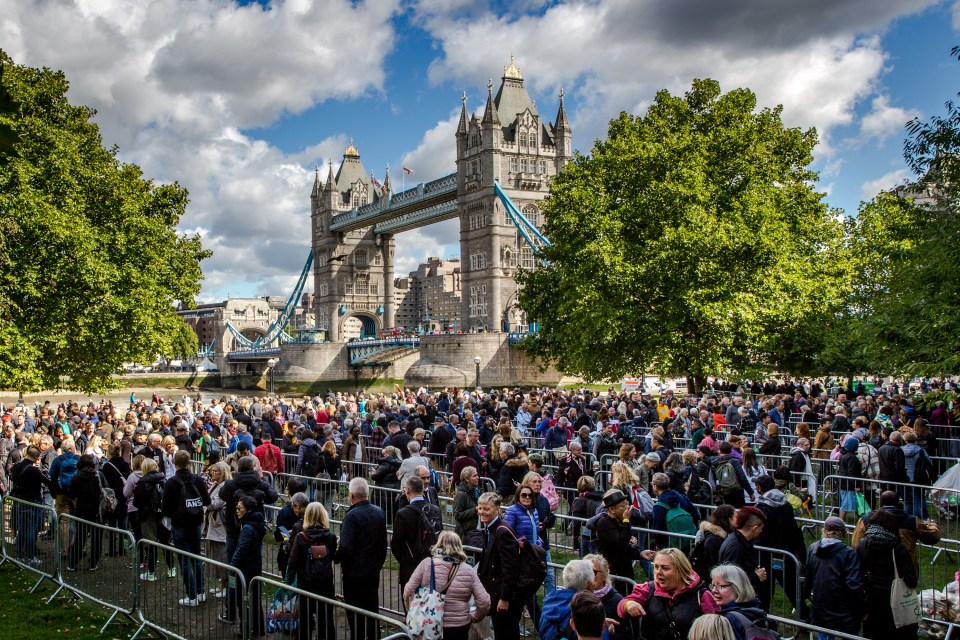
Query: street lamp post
pixel 476 361
pixel 271 363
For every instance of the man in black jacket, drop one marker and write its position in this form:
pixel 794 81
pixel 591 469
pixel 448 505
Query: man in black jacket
pixel 780 532
pixel 184 497
pixel 893 467
pixel 361 554
pixel 411 542
pixel 246 482
pixel 498 569
pixel 28 482
pixel 738 547
pixel 834 581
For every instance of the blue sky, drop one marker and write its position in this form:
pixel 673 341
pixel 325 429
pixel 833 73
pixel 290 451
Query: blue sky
pixel 240 102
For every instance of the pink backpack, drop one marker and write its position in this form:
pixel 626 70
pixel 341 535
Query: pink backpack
pixel 549 491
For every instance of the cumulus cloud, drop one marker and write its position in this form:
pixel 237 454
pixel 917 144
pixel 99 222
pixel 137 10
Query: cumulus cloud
pixel 176 81
pixel 884 183
pixel 818 59
pixel 885 120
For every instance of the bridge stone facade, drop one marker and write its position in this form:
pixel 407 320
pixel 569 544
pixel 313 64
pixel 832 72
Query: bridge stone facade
pixel 353 261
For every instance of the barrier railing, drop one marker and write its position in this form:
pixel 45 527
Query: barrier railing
pixel 167 605
pixel 26 545
pixel 107 578
pixel 334 618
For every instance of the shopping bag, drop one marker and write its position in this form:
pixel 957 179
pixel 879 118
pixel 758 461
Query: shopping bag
pixel 425 615
pixel 862 507
pixel 904 601
pixel 282 614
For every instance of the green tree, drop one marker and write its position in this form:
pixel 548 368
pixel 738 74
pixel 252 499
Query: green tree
pixel 690 242
pixel 92 262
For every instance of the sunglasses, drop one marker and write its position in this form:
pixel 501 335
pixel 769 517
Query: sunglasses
pixel 526 495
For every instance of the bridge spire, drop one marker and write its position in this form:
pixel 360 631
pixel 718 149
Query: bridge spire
pixel 315 192
pixel 490 115
pixel 387 187
pixel 462 127
pixel 330 183
pixel 562 115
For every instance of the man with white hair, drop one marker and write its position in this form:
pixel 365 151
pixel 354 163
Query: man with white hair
pixel 413 460
pixel 361 554
pixel 555 615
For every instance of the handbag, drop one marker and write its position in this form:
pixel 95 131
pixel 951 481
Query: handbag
pixel 108 499
pixel 862 507
pixel 904 601
pixel 425 615
pixel 283 613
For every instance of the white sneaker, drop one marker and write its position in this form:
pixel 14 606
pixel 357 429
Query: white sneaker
pixel 222 593
pixel 172 572
pixel 149 577
pixel 187 602
pixel 201 597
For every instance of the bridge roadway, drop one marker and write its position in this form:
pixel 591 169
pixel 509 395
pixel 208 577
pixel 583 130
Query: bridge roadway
pixel 365 352
pixel 424 204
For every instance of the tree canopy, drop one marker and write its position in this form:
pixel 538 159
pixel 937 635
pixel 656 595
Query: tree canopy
pixel 91 260
pixel 689 242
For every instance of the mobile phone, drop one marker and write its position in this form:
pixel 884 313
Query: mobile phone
pixel 284 531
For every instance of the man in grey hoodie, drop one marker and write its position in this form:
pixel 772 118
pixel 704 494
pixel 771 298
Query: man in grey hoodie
pixel 780 532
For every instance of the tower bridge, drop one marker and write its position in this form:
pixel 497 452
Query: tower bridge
pixel 504 162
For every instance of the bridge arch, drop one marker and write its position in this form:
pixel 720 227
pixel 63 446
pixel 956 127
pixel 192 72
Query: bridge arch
pixel 250 333
pixel 359 324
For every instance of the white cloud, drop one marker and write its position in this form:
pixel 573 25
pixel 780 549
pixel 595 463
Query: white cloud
pixel 436 155
pixel 174 82
pixel 885 182
pixel 819 59
pixel 884 120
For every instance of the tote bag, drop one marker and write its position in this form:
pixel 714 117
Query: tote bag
pixel 425 616
pixel 904 601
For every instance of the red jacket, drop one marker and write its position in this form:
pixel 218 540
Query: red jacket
pixel 270 457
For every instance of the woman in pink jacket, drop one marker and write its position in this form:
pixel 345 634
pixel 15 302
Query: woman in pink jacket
pixel 460 581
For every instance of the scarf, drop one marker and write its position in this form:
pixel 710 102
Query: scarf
pixel 876 532
pixel 604 590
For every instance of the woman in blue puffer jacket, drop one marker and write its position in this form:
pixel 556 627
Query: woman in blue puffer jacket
pixel 522 515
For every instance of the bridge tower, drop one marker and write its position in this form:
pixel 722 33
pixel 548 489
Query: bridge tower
pixel 353 270
pixel 512 145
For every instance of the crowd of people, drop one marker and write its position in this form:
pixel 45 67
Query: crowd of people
pixel 684 488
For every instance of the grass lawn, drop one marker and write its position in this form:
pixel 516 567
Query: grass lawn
pixel 24 614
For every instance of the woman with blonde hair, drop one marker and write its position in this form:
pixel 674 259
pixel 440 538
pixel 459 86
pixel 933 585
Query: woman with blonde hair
pixel 169 446
pixel 672 601
pixel 214 532
pixel 315 541
pixel 711 627
pixel 447 563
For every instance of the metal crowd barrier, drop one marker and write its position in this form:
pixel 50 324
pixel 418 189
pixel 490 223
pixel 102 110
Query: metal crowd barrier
pixel 161 603
pixel 101 585
pixel 38 554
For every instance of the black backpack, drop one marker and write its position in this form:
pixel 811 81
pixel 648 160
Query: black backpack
pixel 191 503
pixel 430 526
pixel 533 564
pixel 311 461
pixel 148 497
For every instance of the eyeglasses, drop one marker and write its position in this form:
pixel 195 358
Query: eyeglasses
pixel 526 495
pixel 717 586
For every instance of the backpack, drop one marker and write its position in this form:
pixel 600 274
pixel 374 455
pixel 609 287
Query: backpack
pixel 533 564
pixel 68 470
pixel 921 468
pixel 148 497
pixel 319 562
pixel 311 461
pixel 549 491
pixel 191 503
pixel 430 526
pixel 212 445
pixel 698 557
pixel 752 630
pixel 726 474
pixel 679 521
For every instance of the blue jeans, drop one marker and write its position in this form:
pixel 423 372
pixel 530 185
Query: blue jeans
pixel 28 526
pixel 550 582
pixel 188 539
